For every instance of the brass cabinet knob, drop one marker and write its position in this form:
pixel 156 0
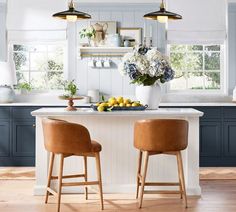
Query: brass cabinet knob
pixel 34 125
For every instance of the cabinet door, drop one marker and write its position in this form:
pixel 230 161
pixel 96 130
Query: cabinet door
pixel 23 138
pixel 4 138
pixel 230 138
pixel 210 138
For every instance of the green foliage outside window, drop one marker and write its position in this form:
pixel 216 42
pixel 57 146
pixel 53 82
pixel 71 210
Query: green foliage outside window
pixel 198 67
pixel 40 65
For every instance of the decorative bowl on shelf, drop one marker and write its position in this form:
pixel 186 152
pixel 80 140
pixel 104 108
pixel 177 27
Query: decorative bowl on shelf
pixel 70 100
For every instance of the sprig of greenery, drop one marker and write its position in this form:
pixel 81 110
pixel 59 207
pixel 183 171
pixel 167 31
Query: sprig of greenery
pixel 70 87
pixel 145 80
pixel 24 85
pixel 87 33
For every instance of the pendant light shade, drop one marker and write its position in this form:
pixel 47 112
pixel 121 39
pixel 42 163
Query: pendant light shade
pixel 72 14
pixel 162 15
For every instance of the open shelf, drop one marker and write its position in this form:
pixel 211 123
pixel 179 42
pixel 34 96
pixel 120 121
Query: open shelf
pixel 84 52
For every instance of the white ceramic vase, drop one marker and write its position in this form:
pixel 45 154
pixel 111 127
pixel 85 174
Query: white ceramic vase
pixel 149 95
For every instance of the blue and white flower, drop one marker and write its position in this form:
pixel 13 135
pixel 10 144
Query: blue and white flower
pixel 146 66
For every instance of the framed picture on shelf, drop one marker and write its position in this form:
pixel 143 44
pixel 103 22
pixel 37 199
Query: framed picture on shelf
pixel 134 35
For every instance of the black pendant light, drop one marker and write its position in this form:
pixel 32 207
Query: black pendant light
pixel 72 14
pixel 162 15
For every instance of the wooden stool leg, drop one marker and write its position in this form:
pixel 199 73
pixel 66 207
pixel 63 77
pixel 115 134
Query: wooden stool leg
pixel 52 156
pixel 99 175
pixel 179 175
pixel 180 164
pixel 86 176
pixel 60 181
pixel 146 157
pixel 139 171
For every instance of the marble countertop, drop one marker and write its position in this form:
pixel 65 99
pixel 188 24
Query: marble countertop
pixel 163 104
pixel 170 112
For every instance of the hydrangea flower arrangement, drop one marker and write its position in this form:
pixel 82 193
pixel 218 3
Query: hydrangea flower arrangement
pixel 145 66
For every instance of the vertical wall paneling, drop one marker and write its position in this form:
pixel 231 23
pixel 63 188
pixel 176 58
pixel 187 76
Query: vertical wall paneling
pixel 109 81
pixel 117 80
pixel 232 47
pixel 72 51
pixel 3 31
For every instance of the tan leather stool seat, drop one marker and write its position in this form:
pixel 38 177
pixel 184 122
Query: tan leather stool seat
pixel 69 139
pixel 160 136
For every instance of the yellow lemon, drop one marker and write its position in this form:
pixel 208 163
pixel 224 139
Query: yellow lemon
pixel 116 105
pixel 127 101
pixel 120 99
pixel 128 105
pixel 97 104
pixel 122 105
pixel 113 102
pixel 101 108
pixel 135 104
pixel 104 104
pixel 111 99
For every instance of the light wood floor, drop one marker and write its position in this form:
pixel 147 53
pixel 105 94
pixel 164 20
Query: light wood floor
pixel 217 196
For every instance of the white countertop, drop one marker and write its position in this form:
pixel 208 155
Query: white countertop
pixel 163 104
pixel 170 112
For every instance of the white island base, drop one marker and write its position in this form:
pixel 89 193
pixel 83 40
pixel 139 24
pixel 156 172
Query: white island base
pixel 114 131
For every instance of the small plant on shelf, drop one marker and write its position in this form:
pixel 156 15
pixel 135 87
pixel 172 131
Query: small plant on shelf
pixel 88 33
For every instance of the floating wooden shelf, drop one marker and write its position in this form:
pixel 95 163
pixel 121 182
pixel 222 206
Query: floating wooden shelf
pixel 84 52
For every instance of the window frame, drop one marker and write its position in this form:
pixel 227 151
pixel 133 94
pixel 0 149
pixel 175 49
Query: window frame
pixel 223 73
pixel 46 43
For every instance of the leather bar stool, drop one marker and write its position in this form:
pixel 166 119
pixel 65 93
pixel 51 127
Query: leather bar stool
pixel 67 139
pixel 160 136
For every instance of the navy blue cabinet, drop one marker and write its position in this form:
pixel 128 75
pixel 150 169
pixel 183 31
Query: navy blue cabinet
pixel 210 138
pixel 4 138
pixel 17 136
pixel 23 139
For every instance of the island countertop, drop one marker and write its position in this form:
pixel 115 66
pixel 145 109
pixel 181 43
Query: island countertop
pixel 174 112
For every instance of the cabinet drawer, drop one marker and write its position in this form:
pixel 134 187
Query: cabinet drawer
pixel 23 112
pixel 211 112
pixel 229 112
pixel 5 113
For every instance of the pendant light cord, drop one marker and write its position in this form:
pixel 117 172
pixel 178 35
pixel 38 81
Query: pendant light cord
pixel 71 4
pixel 162 6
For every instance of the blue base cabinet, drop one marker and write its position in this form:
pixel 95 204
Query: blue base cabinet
pixel 17 136
pixel 217 136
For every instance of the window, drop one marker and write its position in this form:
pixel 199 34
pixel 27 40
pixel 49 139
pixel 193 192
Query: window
pixel 40 65
pixel 197 67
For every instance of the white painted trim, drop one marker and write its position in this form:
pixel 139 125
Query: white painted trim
pixel 119 1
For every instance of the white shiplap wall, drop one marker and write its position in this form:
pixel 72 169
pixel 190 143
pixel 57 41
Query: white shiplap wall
pixel 109 81
pixel 3 31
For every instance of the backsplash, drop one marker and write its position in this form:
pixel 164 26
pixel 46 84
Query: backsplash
pixel 108 80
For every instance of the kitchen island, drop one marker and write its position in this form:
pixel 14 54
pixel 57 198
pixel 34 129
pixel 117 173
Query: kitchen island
pixel 114 130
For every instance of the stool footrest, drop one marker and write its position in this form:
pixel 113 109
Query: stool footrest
pixel 52 191
pixel 162 192
pixel 68 176
pixel 160 184
pixel 80 183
